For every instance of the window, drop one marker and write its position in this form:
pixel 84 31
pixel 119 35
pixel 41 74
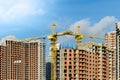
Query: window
pixel 65 54
pixel 65 50
pixel 65 74
pixel 70 75
pixel 65 71
pixel 65 66
pixel 65 62
pixel 65 58
pixel 70 67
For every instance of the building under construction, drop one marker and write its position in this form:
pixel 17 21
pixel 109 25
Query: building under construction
pixel 90 61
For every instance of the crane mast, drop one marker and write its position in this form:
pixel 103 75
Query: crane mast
pixel 53 39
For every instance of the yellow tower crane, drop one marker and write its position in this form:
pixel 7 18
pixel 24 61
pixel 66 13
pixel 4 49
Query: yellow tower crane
pixel 53 41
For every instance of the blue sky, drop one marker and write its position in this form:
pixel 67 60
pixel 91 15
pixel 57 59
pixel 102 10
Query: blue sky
pixel 33 18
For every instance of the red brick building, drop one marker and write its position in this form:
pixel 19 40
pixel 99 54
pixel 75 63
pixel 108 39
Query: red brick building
pixel 84 63
pixel 22 60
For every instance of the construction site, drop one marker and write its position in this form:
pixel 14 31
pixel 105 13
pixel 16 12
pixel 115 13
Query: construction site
pixel 86 61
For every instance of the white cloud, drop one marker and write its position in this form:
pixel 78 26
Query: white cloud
pixel 105 25
pixel 100 28
pixel 13 9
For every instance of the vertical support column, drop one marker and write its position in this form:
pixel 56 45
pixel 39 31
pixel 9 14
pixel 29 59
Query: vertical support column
pixel 53 39
pixel 53 61
pixel 77 64
pixel 117 50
